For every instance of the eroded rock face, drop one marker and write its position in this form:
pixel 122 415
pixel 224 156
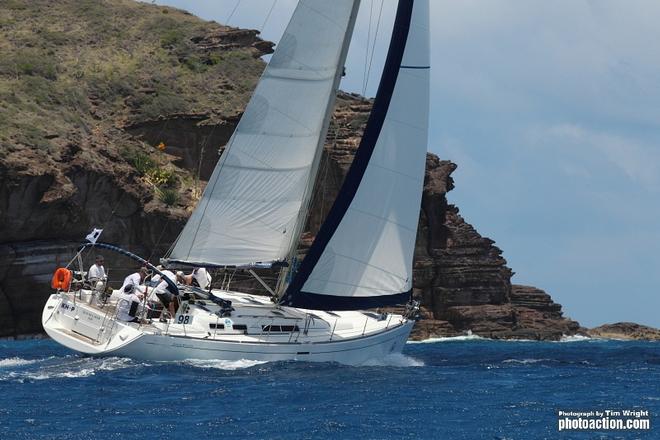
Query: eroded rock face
pixel 39 235
pixel 232 38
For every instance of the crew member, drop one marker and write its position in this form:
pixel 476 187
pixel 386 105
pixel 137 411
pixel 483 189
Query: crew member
pixel 136 278
pixel 128 304
pixel 199 277
pixel 162 291
pixel 97 271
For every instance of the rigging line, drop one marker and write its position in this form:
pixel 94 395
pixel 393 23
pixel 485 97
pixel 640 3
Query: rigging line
pixel 366 53
pixel 380 13
pixel 268 15
pixel 205 142
pixel 153 250
pixel 232 12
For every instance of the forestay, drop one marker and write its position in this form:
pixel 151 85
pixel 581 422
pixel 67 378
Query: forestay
pixel 362 256
pixel 251 209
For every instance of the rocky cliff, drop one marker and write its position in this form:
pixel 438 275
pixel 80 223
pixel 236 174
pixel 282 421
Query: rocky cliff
pixel 120 128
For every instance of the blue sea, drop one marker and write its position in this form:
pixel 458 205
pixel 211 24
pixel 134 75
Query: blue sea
pixel 463 388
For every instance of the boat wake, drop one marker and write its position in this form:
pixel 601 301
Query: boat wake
pixel 21 370
pixel 223 364
pixel 15 362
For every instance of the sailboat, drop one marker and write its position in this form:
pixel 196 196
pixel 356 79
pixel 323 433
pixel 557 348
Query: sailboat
pixel 254 208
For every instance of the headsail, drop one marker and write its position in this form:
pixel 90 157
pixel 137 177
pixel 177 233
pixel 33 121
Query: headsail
pixel 250 210
pixel 362 256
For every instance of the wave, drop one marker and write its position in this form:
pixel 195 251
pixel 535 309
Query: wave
pixel 16 362
pixel 223 364
pixel 69 367
pixel 471 337
pixel 394 360
pixel 526 361
pixel 574 338
pixel 468 337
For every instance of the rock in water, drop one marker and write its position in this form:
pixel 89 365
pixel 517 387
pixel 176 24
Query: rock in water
pixel 625 330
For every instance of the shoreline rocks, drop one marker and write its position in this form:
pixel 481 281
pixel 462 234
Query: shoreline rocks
pixel 624 331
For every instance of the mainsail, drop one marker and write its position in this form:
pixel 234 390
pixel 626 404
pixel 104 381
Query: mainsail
pixel 362 255
pixel 254 205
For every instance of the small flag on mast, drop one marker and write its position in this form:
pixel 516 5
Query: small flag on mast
pixel 94 235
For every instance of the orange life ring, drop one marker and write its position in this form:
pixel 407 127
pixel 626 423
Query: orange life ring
pixel 61 279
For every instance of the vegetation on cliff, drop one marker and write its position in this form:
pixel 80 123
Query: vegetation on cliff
pixel 73 72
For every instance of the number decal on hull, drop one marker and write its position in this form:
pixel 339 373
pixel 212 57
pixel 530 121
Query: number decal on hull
pixel 184 319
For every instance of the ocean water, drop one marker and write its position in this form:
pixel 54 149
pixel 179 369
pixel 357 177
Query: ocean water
pixel 462 388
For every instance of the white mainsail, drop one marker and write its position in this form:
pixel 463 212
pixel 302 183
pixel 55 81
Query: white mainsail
pixel 362 256
pixel 251 209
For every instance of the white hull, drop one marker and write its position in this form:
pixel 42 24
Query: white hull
pixel 345 337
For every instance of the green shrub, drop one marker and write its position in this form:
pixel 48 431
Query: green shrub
pixel 57 38
pixel 213 59
pixel 33 137
pixel 142 162
pixel 110 88
pixel 163 103
pixel 195 64
pixel 41 90
pixel 162 177
pixel 168 196
pixel 171 38
pixel 34 63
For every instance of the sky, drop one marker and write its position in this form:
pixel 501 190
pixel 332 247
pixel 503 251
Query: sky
pixel 552 112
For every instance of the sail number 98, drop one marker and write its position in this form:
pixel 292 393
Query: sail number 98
pixel 184 319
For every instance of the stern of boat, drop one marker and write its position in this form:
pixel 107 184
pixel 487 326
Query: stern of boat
pixel 83 328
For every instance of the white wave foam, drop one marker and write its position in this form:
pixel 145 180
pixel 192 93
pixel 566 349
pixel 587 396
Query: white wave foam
pixel 223 364
pixel 469 337
pixel 394 360
pixel 574 338
pixel 45 375
pixel 524 361
pixel 16 362
pixel 69 367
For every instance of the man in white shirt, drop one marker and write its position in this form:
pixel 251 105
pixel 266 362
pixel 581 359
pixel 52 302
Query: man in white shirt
pixel 198 277
pixel 97 271
pixel 135 278
pixel 202 277
pixel 127 306
pixel 163 293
